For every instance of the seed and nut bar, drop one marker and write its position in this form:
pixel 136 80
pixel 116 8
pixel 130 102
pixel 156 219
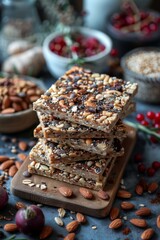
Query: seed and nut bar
pixel 63 176
pixel 90 99
pixel 88 169
pixel 53 127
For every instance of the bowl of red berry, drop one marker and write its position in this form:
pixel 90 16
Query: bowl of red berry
pixel 79 46
pixel 132 27
pixel 142 65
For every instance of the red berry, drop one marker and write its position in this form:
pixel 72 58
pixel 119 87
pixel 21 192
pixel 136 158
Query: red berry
pixel 130 20
pixel 101 47
pixel 156 165
pixel 114 52
pixel 144 123
pixel 157 125
pixel 157 117
pixel 151 171
pixel 141 168
pixel 146 30
pixel 153 26
pixel 138 157
pixel 140 117
pixel 116 17
pixel 153 139
pixel 92 43
pixel 60 40
pixel 150 115
pixel 117 25
pixel 75 48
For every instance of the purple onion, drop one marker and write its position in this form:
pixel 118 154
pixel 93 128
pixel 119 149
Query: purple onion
pixel 30 220
pixel 3 197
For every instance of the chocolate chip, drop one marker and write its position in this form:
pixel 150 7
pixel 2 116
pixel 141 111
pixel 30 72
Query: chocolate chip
pixel 27 174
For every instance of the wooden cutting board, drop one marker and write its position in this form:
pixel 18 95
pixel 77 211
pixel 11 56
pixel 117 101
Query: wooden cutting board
pixel 96 207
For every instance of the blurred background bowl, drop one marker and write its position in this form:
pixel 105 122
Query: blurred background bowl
pixel 58 65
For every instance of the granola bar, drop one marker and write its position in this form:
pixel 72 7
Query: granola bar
pixel 90 99
pixel 53 127
pixel 63 176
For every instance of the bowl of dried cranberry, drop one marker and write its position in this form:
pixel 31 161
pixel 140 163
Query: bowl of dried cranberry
pixel 81 46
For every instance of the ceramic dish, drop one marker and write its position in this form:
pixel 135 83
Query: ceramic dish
pixel 19 121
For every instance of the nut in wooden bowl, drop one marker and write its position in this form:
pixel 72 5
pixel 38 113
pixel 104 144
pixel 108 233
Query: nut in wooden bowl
pixel 16 97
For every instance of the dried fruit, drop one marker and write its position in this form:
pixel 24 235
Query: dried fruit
pixel 46 232
pixel 86 193
pixel 117 223
pixel 158 221
pixel 12 170
pixel 80 218
pixel 147 234
pixel 152 187
pixel 66 191
pixel 6 165
pixel 70 236
pixel 22 145
pixel 124 194
pixel 144 211
pixel 10 227
pixel 103 195
pixel 138 222
pixel 127 205
pixel 72 226
pixel 139 189
pixel 114 213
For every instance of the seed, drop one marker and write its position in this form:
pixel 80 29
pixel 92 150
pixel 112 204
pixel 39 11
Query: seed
pixel 61 212
pixel 59 221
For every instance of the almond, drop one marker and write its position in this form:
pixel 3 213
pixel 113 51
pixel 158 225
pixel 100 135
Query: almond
pixel 117 223
pixel 80 218
pixel 22 145
pixel 144 185
pixel 10 227
pixel 22 156
pixel 147 234
pixel 124 194
pixel 66 191
pixel 24 105
pixel 17 107
pixel 86 193
pixel 46 232
pixel 7 164
pixel 72 226
pixel 114 213
pixel 15 99
pixel 139 189
pixel 138 222
pixel 144 211
pixel 3 158
pixel 18 164
pixel 70 236
pixel 127 205
pixel 158 221
pixel 103 195
pixel 20 205
pixel 8 111
pixel 12 170
pixel 6 102
pixel 152 187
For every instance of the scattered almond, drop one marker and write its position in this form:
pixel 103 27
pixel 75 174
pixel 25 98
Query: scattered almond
pixel 66 191
pixel 46 232
pixel 138 222
pixel 22 156
pixel 103 195
pixel 158 221
pixel 10 227
pixel 8 111
pixel 6 165
pixel 152 187
pixel 72 226
pixel 114 213
pixel 3 158
pixel 124 194
pixel 18 164
pixel 22 145
pixel 70 236
pixel 86 193
pixel 147 234
pixel 20 205
pixel 12 170
pixel 80 218
pixel 139 189
pixel 117 223
pixel 144 211
pixel 127 205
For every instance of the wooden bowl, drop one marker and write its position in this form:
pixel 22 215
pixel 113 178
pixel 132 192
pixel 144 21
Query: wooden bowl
pixel 19 121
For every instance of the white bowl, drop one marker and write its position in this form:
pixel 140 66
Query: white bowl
pixel 58 65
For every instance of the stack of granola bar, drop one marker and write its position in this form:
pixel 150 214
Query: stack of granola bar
pixel 81 130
